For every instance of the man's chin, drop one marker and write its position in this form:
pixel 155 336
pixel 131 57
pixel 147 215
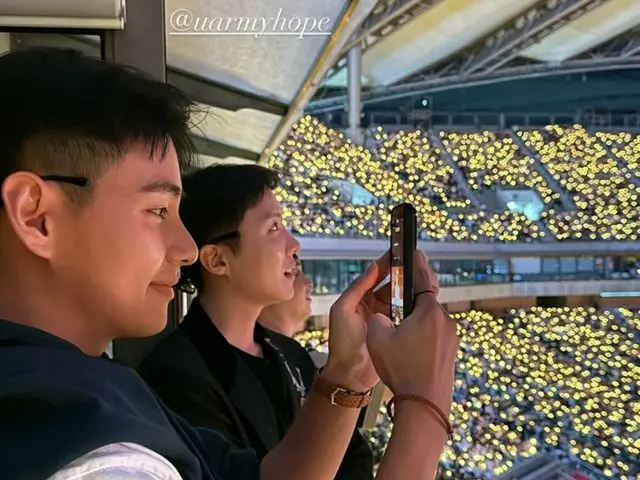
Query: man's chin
pixel 147 327
pixel 286 294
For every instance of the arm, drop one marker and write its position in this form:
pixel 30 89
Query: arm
pixel 416 357
pixel 415 446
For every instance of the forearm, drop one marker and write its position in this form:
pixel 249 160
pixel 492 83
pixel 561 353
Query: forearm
pixel 415 446
pixel 314 445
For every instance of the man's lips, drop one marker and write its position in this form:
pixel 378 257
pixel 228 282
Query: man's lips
pixel 164 289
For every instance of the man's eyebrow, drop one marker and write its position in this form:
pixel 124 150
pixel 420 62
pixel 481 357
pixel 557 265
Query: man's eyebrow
pixel 162 187
pixel 273 214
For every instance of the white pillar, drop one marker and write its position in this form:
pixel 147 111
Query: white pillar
pixel 354 68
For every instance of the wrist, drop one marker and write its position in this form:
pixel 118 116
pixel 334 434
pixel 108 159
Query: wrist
pixel 343 376
pixel 416 414
pixel 443 402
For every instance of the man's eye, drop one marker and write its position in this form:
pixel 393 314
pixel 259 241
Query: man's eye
pixel 160 212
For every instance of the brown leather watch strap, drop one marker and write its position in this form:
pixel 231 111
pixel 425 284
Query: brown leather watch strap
pixel 341 396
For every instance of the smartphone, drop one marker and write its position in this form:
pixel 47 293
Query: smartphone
pixel 404 241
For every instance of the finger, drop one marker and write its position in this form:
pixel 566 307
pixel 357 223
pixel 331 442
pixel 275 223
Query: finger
pixel 426 304
pixel 355 292
pixel 383 295
pixel 424 279
pixel 379 330
pixel 384 266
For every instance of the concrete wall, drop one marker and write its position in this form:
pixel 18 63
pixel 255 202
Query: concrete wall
pixel 581 300
pixel 455 307
pixel 629 302
pixel 497 305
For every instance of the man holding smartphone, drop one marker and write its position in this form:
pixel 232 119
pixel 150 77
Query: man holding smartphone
pixel 222 369
pixel 90 245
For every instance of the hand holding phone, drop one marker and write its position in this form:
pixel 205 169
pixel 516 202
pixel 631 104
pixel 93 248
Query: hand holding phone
pixel 403 245
pixel 404 241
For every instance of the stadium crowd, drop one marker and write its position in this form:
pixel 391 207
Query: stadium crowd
pixel 602 188
pixel 489 159
pixel 560 380
pixel 598 173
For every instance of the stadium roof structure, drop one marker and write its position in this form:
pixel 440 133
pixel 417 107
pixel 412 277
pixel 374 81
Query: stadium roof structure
pixel 421 47
pixel 255 87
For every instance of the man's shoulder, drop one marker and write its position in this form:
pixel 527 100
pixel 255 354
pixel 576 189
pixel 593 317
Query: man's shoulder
pixel 119 461
pixel 174 350
pixel 59 405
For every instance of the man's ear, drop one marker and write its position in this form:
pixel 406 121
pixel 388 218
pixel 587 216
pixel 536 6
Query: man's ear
pixel 214 259
pixel 27 201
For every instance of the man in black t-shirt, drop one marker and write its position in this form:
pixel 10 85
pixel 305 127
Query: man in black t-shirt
pixel 222 369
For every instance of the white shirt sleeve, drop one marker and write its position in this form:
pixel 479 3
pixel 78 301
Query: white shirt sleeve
pixel 121 461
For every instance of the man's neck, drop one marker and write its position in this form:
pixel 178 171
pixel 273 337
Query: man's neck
pixel 46 308
pixel 234 317
pixel 277 323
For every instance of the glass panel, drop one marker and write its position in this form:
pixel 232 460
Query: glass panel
pixel 568 264
pixel 272 65
pixel 501 265
pixel 325 277
pixel 599 264
pixel 550 265
pixel 246 129
pixel 586 264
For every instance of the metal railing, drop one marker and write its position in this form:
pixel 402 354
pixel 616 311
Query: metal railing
pixel 477 278
pixel 424 119
pixel 495 278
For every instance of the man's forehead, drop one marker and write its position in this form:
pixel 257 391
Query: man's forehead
pixel 140 173
pixel 267 208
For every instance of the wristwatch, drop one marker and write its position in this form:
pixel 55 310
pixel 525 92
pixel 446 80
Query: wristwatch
pixel 341 396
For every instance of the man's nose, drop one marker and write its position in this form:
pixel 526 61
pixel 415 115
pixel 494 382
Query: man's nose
pixel 185 250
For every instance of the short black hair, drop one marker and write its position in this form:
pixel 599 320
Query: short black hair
pixel 214 203
pixel 64 113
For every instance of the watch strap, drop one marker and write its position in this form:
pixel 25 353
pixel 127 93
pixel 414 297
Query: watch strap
pixel 341 396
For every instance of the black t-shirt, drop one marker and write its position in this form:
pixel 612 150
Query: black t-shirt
pixel 270 373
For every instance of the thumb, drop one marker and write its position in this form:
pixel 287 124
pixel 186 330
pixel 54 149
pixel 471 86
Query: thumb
pixel 361 285
pixel 379 331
